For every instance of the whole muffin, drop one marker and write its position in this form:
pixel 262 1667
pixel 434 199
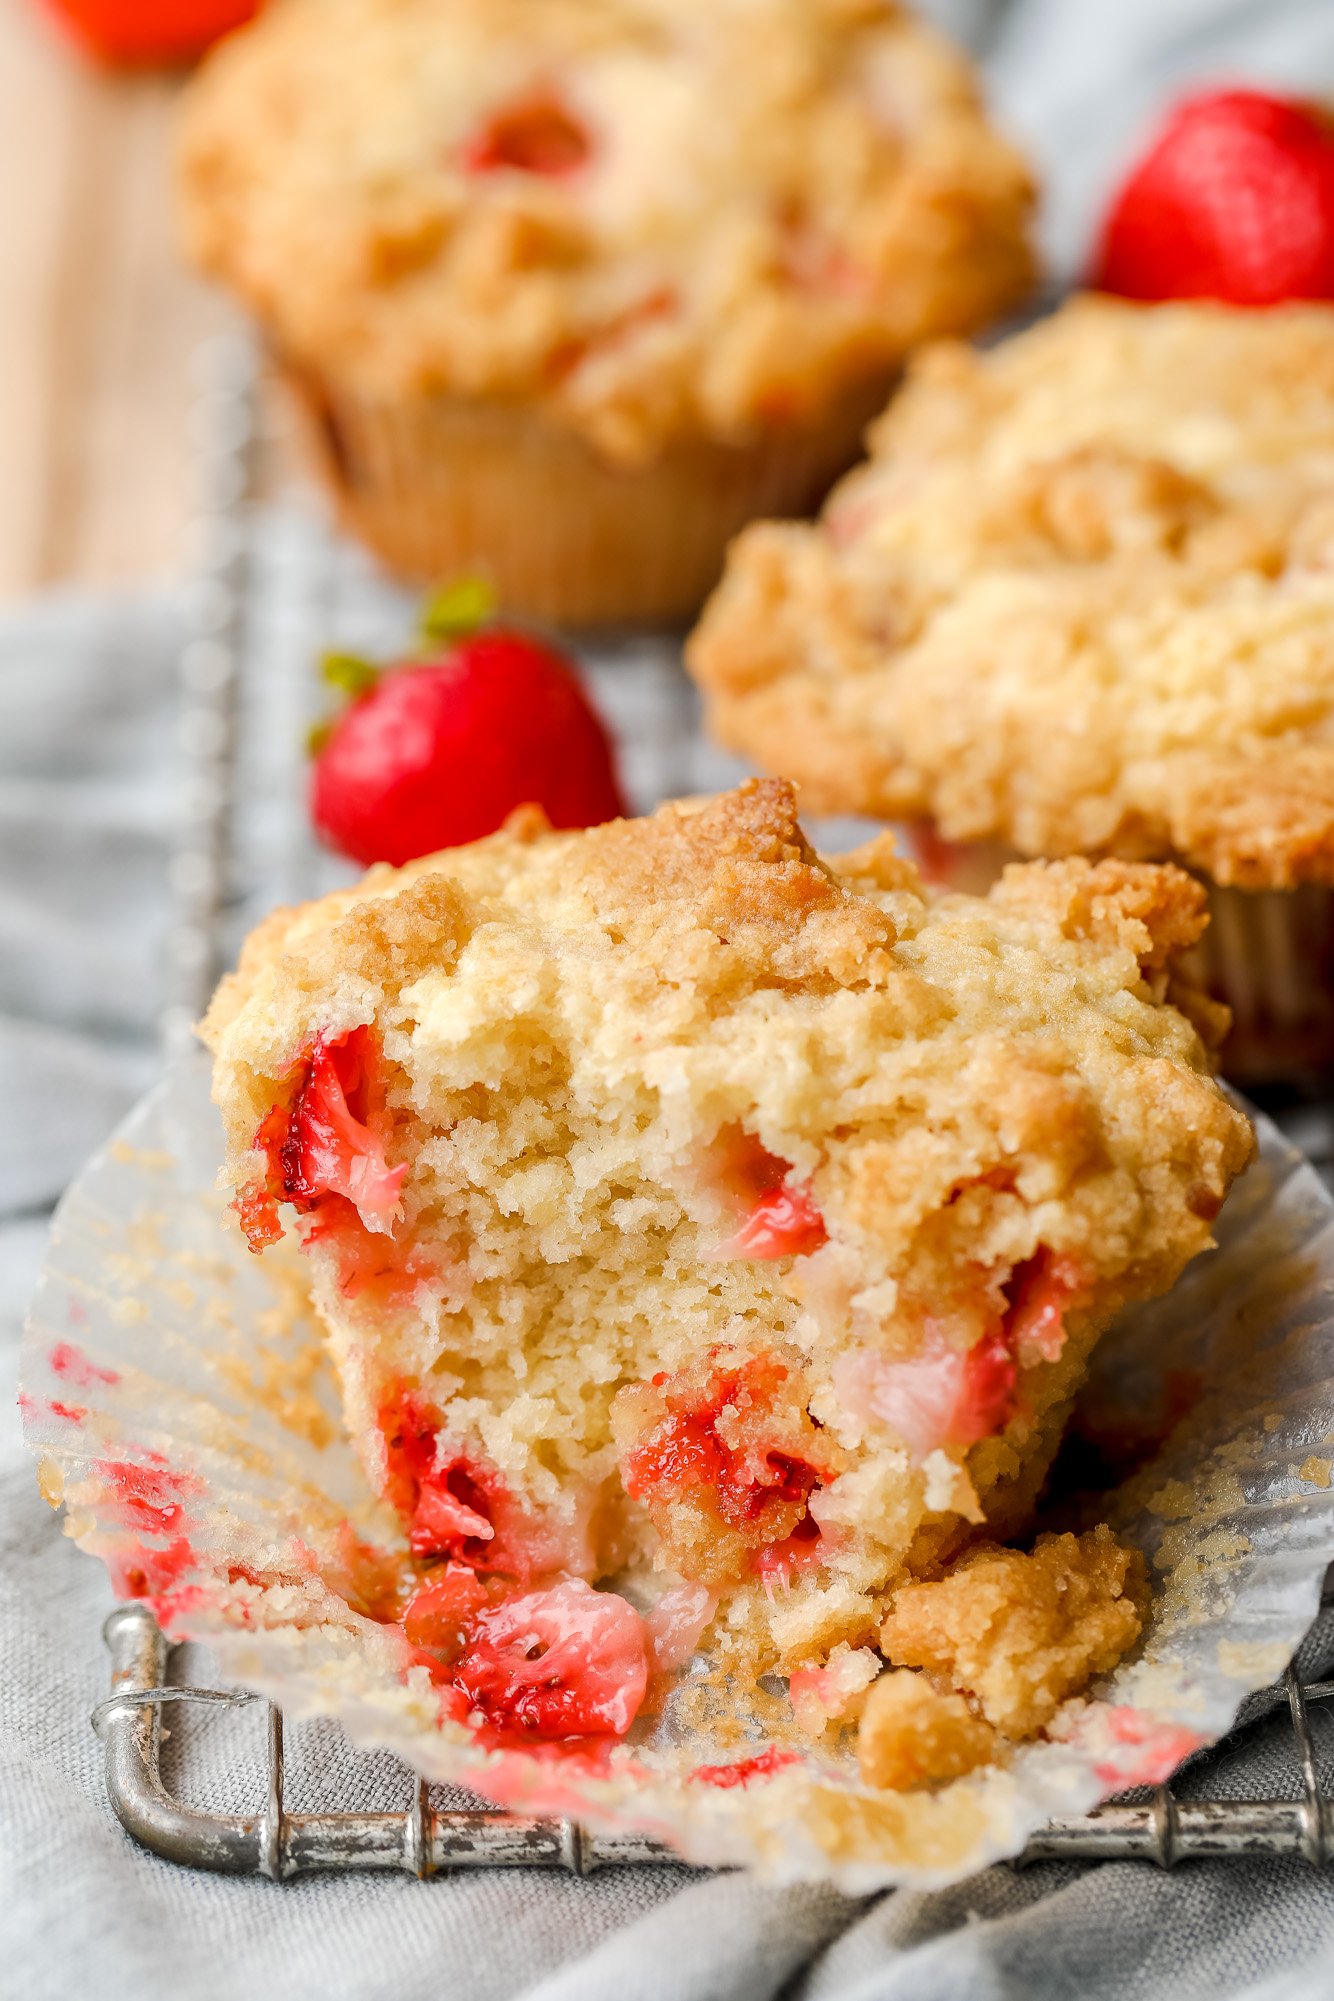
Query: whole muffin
pixel 574 288
pixel 680 1201
pixel 1080 600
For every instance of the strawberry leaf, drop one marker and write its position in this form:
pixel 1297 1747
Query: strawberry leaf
pixel 349 673
pixel 457 609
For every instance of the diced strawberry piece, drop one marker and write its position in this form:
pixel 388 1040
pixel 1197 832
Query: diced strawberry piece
pixel 951 1397
pixel 535 135
pixel 370 1266
pixel 942 1397
pixel 329 1148
pixel 439 1615
pixel 674 1625
pixel 565 1662
pixel 327 1145
pixel 457 1506
pixel 740 1773
pixel 1040 1292
pixel 985 1402
pixel 453 1516
pixel 409 1426
pixel 802 1550
pixel 688 1449
pixel 784 1223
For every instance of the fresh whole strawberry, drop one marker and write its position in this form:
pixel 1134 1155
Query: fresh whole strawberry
pixel 152 31
pixel 439 749
pixel 1233 201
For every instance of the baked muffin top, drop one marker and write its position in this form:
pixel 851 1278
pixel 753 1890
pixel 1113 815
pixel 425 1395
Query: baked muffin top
pixel 677 974
pixel 1080 598
pixel 661 218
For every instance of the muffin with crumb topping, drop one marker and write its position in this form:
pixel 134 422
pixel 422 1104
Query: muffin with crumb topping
pixel 698 1218
pixel 1080 600
pixel 571 290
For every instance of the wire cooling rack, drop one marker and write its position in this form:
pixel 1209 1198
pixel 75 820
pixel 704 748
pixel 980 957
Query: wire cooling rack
pixel 271 589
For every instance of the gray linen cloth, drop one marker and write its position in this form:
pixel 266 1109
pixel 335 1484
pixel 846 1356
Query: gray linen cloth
pixel 87 807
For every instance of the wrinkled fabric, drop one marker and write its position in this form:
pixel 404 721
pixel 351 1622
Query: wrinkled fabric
pixel 89 799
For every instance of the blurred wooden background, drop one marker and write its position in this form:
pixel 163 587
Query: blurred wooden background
pixel 98 319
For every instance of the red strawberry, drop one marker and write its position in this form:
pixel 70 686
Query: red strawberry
pixel 784 1223
pixel 565 1662
pixel 437 751
pixel 152 31
pixel 1234 201
pixel 533 135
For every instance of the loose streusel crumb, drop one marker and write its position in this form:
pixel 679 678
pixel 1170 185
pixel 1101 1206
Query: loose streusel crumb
pixel 1080 599
pixel 1022 1632
pixel 913 1734
pixel 677 1198
pixel 657 222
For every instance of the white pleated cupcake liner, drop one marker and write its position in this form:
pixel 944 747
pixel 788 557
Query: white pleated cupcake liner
pixel 177 1396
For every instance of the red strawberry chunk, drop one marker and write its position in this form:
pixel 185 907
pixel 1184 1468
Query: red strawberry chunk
pixel 329 1149
pixel 440 1613
pixel 453 1516
pixel 740 1773
pixel 455 1505
pixel 949 1397
pixel 1040 1292
pixel 565 1662
pixel 712 1438
pixel 534 135
pixel 784 1223
pixel 328 1145
pixel 1234 201
pixel 942 1397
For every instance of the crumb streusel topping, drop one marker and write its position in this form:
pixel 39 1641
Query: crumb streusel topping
pixel 661 219
pixel 678 1198
pixel 1079 599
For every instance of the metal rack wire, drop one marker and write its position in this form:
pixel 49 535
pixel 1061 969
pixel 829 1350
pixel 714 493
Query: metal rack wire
pixel 208 902
pixel 424 1842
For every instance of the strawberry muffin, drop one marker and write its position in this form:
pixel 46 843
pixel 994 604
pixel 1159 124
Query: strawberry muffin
pixel 571 290
pixel 1080 600
pixel 689 1211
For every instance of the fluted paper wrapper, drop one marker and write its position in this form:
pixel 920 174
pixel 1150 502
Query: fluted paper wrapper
pixel 177 1395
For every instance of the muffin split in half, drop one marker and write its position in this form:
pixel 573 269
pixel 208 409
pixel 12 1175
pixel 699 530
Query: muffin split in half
pixel 686 1207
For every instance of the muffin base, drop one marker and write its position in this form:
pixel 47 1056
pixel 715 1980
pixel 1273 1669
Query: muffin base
pixel 1268 955
pixel 450 486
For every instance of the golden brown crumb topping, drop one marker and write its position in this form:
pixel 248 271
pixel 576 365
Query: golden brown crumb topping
pixel 1020 1632
pixel 1080 598
pixel 660 220
pixel 913 1734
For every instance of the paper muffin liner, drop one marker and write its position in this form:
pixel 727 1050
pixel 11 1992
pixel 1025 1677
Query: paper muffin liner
pixel 1270 955
pixel 447 486
pixel 179 1400
pixel 1267 954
